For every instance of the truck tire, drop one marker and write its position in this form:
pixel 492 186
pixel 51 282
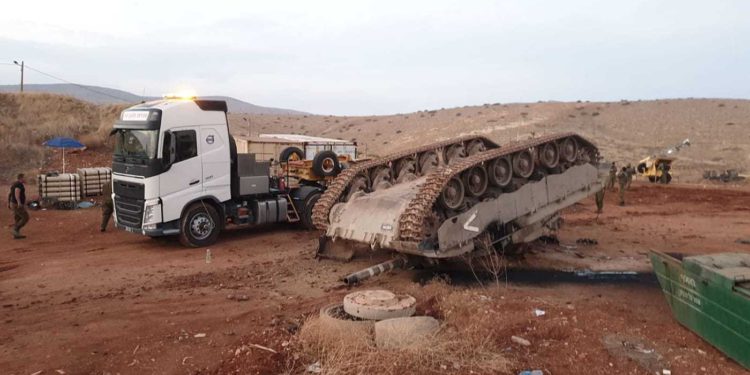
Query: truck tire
pixel 326 164
pixel 288 152
pixel 307 208
pixel 200 225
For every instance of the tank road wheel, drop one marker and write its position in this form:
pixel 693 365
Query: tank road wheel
pixel 549 155
pixel 452 196
pixel 568 149
pixel 291 153
pixel 428 162
pixel 641 168
pixel 200 225
pixel 500 172
pixel 405 166
pixel 307 210
pixel 476 146
pixel 381 178
pixel 652 179
pixel 475 180
pixel 523 164
pixel 359 183
pixel 453 153
pixel 326 164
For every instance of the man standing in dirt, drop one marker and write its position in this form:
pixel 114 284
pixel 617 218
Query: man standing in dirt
pixel 612 177
pixel 17 203
pixel 622 178
pixel 631 173
pixel 107 206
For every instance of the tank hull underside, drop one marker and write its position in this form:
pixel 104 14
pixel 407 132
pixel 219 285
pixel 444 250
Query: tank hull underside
pixel 533 208
pixel 457 196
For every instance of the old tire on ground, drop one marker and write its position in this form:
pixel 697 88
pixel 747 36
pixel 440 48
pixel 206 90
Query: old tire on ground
pixel 305 214
pixel 326 164
pixel 379 305
pixel 338 324
pixel 404 332
pixel 200 225
pixel 291 153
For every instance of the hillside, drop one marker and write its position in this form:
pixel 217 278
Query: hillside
pixel 104 95
pixel 625 131
pixel 26 121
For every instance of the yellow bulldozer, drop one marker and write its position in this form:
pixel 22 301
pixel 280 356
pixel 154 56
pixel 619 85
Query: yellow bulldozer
pixel 657 168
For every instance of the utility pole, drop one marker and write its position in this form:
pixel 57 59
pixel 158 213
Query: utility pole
pixel 21 65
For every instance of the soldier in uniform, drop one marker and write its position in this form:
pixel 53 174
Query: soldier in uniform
pixel 17 203
pixel 612 177
pixel 599 201
pixel 622 178
pixel 631 172
pixel 107 206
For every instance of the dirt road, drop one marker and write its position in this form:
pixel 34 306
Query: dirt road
pixel 80 301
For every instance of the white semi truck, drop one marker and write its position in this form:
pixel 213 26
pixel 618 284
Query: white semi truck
pixel 176 171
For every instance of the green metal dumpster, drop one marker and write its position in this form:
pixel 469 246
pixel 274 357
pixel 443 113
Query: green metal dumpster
pixel 710 295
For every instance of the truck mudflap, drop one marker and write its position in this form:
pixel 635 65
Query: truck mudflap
pixel 374 218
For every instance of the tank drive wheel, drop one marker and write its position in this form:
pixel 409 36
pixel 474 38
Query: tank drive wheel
pixel 307 210
pixel 475 180
pixel 568 149
pixel 428 162
pixel 326 164
pixel 381 178
pixel 452 196
pixel 549 155
pixel 405 166
pixel 474 147
pixel 523 164
pixel 454 153
pixel 291 153
pixel 500 172
pixel 200 225
pixel 359 183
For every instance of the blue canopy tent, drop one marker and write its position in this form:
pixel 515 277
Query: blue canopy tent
pixel 63 143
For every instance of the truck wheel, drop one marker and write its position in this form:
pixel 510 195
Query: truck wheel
pixel 307 209
pixel 291 153
pixel 326 164
pixel 200 225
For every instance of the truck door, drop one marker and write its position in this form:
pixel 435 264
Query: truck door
pixel 183 181
pixel 216 162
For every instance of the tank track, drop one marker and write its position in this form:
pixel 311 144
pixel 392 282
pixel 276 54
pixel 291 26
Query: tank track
pixel 412 220
pixel 338 186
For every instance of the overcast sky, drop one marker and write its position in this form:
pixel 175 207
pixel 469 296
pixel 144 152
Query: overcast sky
pixel 379 57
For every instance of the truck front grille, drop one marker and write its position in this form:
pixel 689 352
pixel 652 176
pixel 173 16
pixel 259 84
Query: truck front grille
pixel 129 211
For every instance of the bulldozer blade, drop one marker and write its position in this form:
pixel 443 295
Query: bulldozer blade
pixel 336 250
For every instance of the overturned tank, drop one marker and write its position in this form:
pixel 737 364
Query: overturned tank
pixel 463 196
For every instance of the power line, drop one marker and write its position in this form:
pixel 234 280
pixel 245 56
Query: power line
pixel 77 85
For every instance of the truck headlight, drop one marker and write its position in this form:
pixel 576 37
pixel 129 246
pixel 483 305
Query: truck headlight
pixel 152 213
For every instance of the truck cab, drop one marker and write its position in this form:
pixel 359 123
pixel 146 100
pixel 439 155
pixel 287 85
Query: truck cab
pixel 176 171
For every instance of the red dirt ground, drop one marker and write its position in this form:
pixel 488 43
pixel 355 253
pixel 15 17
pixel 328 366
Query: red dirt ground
pixel 82 302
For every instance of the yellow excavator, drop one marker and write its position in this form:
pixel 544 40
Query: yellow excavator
pixel 657 167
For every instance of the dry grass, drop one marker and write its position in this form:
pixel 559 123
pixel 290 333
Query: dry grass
pixel 27 120
pixel 464 343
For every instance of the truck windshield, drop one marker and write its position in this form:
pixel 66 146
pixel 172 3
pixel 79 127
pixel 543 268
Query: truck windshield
pixel 136 144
